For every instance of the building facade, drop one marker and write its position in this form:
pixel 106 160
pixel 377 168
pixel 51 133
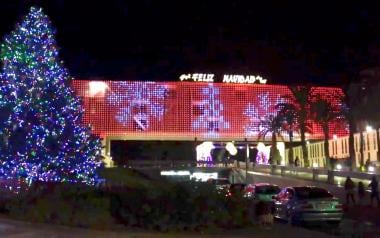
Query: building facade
pixel 339 149
pixel 187 111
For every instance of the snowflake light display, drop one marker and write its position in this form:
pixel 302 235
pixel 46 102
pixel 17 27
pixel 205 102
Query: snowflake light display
pixel 184 111
pixel 138 102
pixel 256 112
pixel 211 117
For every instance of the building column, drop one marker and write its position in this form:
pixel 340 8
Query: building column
pixel 106 152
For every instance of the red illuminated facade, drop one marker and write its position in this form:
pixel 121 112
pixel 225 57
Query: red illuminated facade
pixel 135 110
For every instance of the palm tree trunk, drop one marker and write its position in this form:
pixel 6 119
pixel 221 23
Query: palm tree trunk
pixel 291 154
pixel 378 143
pixel 326 145
pixel 351 143
pixel 303 143
pixel 272 155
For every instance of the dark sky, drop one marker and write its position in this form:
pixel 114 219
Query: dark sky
pixel 322 42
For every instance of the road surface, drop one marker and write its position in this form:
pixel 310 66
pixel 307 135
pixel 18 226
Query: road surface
pixel 17 229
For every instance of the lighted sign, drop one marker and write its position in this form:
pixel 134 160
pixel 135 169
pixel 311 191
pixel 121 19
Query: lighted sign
pixel 227 78
pixel 197 77
pixel 175 173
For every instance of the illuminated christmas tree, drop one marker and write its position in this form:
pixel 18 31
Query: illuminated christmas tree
pixel 42 135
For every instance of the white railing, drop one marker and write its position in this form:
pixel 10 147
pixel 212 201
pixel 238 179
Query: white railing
pixel 315 174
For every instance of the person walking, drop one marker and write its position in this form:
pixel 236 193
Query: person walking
pixel 297 161
pixel 374 185
pixel 349 187
pixel 361 193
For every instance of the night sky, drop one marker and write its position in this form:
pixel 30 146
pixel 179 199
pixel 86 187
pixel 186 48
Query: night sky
pixel 321 42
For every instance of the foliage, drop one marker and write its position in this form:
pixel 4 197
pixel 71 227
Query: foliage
pixel 288 116
pixel 156 205
pixel 300 101
pixel 272 125
pixel 64 204
pixel 183 206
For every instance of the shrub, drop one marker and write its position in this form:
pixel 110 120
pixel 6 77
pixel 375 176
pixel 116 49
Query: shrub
pixel 63 204
pixel 183 206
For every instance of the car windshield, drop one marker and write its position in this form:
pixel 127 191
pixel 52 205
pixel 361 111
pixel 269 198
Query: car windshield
pixel 267 189
pixel 311 193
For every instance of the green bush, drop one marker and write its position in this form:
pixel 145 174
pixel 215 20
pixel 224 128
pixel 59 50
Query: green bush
pixel 182 206
pixel 139 202
pixel 63 204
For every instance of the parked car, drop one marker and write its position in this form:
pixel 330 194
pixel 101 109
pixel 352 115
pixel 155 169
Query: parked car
pixel 296 204
pixel 240 189
pixel 373 167
pixel 264 191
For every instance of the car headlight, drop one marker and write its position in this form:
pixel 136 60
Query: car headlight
pixel 371 169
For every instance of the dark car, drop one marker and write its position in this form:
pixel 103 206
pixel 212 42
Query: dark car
pixel 238 189
pixel 221 184
pixel 264 191
pixel 307 203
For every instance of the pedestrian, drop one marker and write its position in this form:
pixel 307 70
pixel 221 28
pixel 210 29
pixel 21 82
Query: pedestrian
pixel 297 161
pixel 361 193
pixel 349 187
pixel 374 185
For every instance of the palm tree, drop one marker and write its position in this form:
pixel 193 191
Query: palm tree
pixel 324 113
pixel 300 100
pixel 350 112
pixel 288 115
pixel 272 124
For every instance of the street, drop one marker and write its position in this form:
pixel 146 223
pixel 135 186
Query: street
pixel 17 229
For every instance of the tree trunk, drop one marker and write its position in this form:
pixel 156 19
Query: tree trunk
pixel 351 143
pixel 291 154
pixel 272 154
pixel 326 145
pixel 303 143
pixel 378 143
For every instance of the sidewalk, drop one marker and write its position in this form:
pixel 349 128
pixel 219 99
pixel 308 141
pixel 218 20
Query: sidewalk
pixel 17 229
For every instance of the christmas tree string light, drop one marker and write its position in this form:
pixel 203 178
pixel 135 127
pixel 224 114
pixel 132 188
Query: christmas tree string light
pixel 41 132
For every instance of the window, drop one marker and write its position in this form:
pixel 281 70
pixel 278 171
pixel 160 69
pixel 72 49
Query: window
pixel 311 193
pixel 367 141
pixel 374 141
pixel 345 146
